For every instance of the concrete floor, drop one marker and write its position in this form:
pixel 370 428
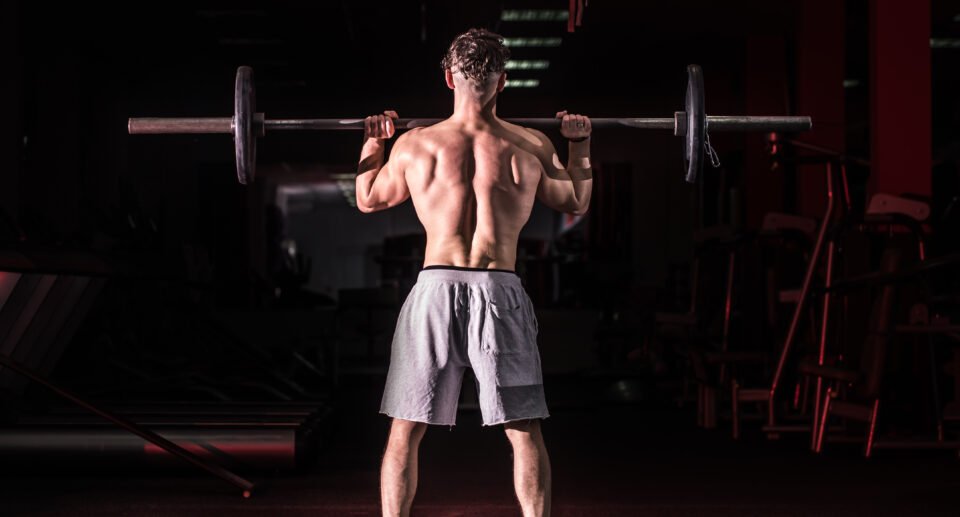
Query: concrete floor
pixel 607 461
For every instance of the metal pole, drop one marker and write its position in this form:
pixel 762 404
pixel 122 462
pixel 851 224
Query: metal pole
pixel 815 257
pixel 131 427
pixel 824 328
pixel 754 123
pixel 677 124
pixel 138 126
pixel 324 124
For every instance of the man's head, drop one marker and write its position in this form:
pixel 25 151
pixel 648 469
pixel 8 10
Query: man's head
pixel 474 63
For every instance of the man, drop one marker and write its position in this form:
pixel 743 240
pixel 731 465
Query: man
pixel 472 178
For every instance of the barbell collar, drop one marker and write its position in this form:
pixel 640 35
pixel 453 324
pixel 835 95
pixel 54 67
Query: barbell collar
pixel 147 126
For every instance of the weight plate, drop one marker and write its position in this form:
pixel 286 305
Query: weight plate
pixel 244 125
pixel 696 129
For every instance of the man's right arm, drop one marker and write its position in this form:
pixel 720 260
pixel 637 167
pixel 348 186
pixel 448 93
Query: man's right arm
pixel 379 184
pixel 567 188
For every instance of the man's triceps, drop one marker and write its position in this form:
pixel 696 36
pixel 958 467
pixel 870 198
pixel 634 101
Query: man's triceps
pixel 386 188
pixel 557 190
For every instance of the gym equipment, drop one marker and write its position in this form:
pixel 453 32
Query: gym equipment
pixel 45 297
pixel 36 308
pixel 246 124
pixel 865 378
pixel 823 253
pixel 264 436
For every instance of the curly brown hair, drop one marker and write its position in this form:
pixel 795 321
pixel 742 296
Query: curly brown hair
pixel 476 54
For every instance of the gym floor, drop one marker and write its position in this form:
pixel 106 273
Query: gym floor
pixel 613 460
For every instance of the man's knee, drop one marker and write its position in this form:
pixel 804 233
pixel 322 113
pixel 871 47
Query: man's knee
pixel 406 432
pixel 524 432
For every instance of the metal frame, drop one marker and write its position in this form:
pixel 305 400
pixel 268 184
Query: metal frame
pixel 768 395
pixel 146 434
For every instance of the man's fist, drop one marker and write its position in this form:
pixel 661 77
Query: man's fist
pixel 574 127
pixel 380 127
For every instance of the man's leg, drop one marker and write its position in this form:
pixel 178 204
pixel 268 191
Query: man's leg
pixel 531 467
pixel 398 474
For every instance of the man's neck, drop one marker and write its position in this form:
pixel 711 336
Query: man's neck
pixel 473 112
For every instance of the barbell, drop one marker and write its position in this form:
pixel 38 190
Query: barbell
pixel 246 124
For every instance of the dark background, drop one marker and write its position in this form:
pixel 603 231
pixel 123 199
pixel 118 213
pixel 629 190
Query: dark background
pixel 74 73
pixel 83 70
pixel 288 260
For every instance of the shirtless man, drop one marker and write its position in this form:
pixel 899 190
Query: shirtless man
pixel 472 178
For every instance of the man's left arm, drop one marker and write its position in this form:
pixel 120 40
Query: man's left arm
pixel 567 189
pixel 381 185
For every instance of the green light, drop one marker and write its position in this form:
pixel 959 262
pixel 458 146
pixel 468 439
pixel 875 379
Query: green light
pixel 944 42
pixel 532 42
pixel 522 83
pixel 537 64
pixel 534 15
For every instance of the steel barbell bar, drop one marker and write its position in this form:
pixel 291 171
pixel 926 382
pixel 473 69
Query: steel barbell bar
pixel 215 125
pixel 247 124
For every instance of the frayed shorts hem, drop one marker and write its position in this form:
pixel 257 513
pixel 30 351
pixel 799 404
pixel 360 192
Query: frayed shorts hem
pixel 424 420
pixel 541 416
pixel 419 419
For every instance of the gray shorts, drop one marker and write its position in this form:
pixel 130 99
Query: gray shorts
pixel 455 318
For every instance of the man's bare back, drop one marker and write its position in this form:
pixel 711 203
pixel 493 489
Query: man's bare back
pixel 473 186
pixel 473 189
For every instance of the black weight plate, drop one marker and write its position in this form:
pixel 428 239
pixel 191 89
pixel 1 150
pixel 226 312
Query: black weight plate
pixel 696 123
pixel 244 125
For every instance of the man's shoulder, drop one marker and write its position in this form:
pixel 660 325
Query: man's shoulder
pixel 533 140
pixel 523 129
pixel 528 139
pixel 430 138
pixel 417 144
pixel 423 135
pixel 411 135
pixel 410 140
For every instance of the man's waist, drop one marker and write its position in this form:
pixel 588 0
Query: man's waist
pixel 469 275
